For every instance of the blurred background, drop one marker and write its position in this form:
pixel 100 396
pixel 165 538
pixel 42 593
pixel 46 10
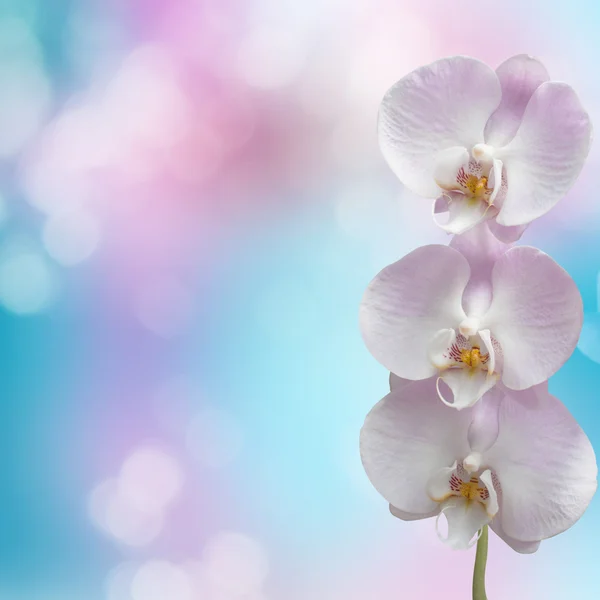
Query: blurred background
pixel 192 202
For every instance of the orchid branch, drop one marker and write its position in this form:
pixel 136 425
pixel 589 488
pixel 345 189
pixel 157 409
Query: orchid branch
pixel 480 562
pixel 479 315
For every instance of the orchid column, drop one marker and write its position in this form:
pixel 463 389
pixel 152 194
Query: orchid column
pixel 472 331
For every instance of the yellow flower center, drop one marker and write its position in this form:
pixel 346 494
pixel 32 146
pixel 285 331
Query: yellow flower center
pixel 477 186
pixel 472 357
pixel 470 490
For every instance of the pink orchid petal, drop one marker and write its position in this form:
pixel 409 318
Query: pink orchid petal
pixel 397 383
pixel 438 485
pixel 484 427
pixel 481 249
pixel 491 504
pixel 545 465
pixel 408 436
pixel 496 177
pixel 486 338
pixel 408 302
pixel 477 296
pixel 536 315
pixel 506 234
pixel 406 516
pixel 437 351
pixel 444 104
pixel 546 155
pixel 519 77
pixel 540 388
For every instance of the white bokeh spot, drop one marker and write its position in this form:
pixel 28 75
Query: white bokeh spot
pixel 236 562
pixel 150 480
pixel 112 513
pixel 71 237
pixel 131 508
pixel 161 580
pixel 117 585
pixel 28 284
pixel 26 92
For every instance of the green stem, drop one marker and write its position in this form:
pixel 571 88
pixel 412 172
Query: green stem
pixel 480 562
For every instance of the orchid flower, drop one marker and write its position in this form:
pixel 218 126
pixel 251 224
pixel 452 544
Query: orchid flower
pixel 504 145
pixel 517 461
pixel 473 314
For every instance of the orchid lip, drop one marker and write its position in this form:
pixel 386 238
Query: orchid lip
pixel 466 364
pixel 472 187
pixel 468 500
pixel 446 539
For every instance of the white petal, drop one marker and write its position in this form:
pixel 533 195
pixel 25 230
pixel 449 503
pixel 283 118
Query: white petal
pixel 438 485
pixel 497 170
pixel 544 463
pixel 447 164
pixel 438 348
pixel 467 385
pixel 491 504
pixel 519 77
pixel 408 436
pixel 406 516
pixel 463 213
pixel 545 157
pixel 465 519
pixel 486 338
pixel 536 315
pixel 518 546
pixel 407 303
pixel 444 104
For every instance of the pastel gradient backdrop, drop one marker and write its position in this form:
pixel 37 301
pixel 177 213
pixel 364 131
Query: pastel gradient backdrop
pixel 192 202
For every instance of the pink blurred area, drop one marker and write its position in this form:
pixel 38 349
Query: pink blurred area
pixel 212 112
pixel 217 111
